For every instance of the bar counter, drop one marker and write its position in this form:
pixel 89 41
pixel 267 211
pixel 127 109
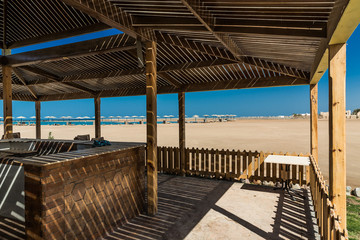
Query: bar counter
pixel 71 189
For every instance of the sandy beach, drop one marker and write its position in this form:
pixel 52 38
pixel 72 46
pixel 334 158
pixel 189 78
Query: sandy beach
pixel 251 134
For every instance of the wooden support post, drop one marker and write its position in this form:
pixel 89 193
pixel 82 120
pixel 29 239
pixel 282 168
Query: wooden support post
pixel 181 99
pixel 151 128
pixel 337 151
pixel 38 119
pixel 314 121
pixel 97 102
pixel 7 100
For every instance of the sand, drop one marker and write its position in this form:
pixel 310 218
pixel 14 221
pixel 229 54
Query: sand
pixel 255 134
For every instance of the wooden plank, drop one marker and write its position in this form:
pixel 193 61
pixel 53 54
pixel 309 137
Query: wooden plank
pixel 212 160
pixel 165 157
pixel 7 101
pixel 222 163
pixel 177 160
pixel 301 175
pixel 217 164
pixel 171 160
pixel 314 121
pixel 151 128
pixel 244 164
pixel 238 164
pixel 203 162
pixel 249 165
pixel 160 159
pixel 38 119
pixel 337 172
pixel 97 121
pixel 197 164
pixel 233 164
pixel 228 162
pixel 343 20
pixel 262 166
pixel 182 143
pixel 187 160
pixel 193 160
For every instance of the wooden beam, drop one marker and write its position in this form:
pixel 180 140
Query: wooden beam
pixel 208 21
pixel 224 54
pixel 182 145
pixel 22 80
pixel 314 146
pixel 97 103
pixel 106 12
pixel 7 100
pixel 60 35
pixel 169 79
pixel 337 146
pixel 212 86
pixel 55 78
pixel 151 127
pixel 38 119
pixel 115 43
pixel 343 20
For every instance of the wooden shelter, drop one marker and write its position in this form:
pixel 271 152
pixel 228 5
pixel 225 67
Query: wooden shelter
pixel 176 47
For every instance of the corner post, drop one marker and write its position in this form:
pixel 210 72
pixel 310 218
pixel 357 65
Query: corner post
pixel 181 100
pixel 314 121
pixel 7 101
pixel 151 129
pixel 337 151
pixel 97 123
pixel 38 119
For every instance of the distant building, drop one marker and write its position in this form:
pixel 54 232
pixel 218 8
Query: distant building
pixel 348 113
pixel 324 115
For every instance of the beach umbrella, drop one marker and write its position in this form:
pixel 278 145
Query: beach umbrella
pixel 50 117
pixel 21 118
pixel 79 118
pixel 171 116
pixel 32 117
pixel 206 115
pixel 102 117
pixel 86 117
pixel 1 117
pixel 134 117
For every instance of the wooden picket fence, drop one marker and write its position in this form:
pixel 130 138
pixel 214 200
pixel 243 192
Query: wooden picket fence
pixel 327 218
pixel 226 164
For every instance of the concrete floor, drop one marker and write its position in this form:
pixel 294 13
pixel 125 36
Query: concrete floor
pixel 194 208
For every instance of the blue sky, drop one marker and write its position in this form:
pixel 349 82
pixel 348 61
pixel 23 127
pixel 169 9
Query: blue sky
pixel 243 102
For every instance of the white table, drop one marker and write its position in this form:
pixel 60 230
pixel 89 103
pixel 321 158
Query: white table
pixel 293 160
pixel 285 162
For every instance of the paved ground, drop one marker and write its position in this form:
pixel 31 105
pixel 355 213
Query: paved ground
pixel 195 208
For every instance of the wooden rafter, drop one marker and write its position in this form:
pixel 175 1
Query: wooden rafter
pixel 232 84
pixel 222 53
pixel 132 72
pixel 57 79
pixel 75 50
pixel 208 21
pixel 22 80
pixel 106 12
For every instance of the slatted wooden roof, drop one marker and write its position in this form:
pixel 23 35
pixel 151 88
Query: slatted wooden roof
pixel 202 44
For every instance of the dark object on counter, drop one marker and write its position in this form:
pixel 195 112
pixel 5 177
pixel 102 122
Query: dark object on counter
pixel 101 143
pixel 13 135
pixel 82 137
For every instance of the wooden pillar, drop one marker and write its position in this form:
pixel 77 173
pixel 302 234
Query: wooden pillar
pixel 181 100
pixel 7 100
pixel 38 119
pixel 337 151
pixel 314 121
pixel 151 128
pixel 97 102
